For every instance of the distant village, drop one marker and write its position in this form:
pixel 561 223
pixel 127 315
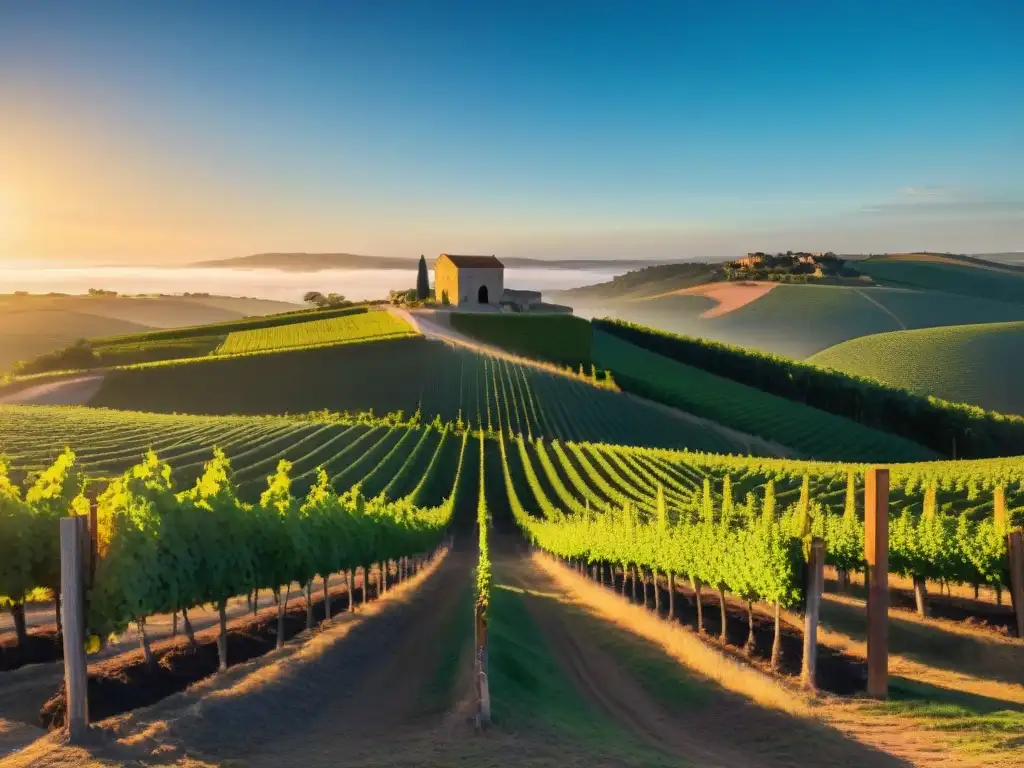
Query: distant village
pixel 791 266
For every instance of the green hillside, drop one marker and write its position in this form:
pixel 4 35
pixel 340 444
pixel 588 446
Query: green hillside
pixel 347 328
pixel 800 320
pixel 981 364
pixel 562 339
pixel 950 275
pixel 640 283
pixel 33 325
pixel 25 333
pixel 807 430
pixel 409 375
pixel 150 346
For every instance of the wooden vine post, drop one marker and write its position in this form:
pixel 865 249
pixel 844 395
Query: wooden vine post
pixel 1015 541
pixel 815 586
pixel 76 548
pixel 483 694
pixel 876 555
pixel 1015 548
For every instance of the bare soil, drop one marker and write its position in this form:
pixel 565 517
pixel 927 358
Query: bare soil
pixel 125 682
pixel 977 614
pixel 44 645
pixel 730 295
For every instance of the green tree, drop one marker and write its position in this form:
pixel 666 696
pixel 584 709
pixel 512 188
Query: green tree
pixel 422 280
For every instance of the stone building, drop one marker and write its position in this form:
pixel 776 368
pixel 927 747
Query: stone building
pixel 469 281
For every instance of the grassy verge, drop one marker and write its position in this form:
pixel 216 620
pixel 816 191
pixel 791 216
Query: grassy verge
pixel 455 644
pixel 973 724
pixel 530 690
pixel 562 339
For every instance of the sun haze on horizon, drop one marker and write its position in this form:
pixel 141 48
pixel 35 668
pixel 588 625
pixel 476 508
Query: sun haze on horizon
pixel 166 135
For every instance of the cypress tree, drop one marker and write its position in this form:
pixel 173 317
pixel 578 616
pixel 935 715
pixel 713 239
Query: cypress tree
pixel 422 280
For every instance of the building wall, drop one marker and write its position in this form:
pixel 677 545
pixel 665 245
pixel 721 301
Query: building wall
pixel 446 278
pixel 463 285
pixel 470 281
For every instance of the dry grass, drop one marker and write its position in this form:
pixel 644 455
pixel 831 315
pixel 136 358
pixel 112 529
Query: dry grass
pixel 679 642
pixel 915 734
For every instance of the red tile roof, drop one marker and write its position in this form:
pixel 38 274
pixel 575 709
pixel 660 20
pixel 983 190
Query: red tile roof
pixel 474 262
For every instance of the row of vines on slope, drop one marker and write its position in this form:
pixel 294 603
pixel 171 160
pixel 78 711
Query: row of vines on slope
pixel 165 550
pixel 756 547
pixel 951 429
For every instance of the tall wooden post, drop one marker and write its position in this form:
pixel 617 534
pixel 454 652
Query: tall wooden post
pixel 483 693
pixel 876 555
pixel 815 585
pixel 1016 545
pixel 74 549
pixel 999 507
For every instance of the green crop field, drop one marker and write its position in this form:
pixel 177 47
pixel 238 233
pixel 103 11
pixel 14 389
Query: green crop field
pixel 563 339
pixel 113 343
pixel 406 374
pixel 980 364
pixel 803 429
pixel 652 507
pixel 800 320
pixel 947 277
pixel 334 330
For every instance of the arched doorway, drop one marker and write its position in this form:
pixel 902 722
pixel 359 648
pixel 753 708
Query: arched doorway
pixel 481 295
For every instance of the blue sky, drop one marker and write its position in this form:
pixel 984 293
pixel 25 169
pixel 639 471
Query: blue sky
pixel 577 128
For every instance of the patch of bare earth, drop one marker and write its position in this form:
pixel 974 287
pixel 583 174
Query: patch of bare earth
pixel 730 295
pixel 754 718
pixel 77 391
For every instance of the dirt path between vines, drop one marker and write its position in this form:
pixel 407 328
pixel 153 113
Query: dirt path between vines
pixel 352 692
pixel 747 720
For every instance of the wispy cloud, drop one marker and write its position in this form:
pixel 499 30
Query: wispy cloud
pixel 931 190
pixel 930 206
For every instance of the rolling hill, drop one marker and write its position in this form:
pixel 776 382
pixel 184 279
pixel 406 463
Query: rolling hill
pixel 34 325
pixel 315 262
pixel 27 333
pixel 641 283
pixel 949 274
pixel 980 364
pixel 800 320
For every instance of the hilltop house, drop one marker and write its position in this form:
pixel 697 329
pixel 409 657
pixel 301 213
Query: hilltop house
pixel 469 281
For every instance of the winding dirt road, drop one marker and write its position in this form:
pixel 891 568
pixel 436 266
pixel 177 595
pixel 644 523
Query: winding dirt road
pixel 76 391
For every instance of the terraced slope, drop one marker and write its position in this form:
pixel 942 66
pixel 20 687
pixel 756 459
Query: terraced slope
pixel 980 364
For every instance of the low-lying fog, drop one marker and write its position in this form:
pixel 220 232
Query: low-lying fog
pixel 259 283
